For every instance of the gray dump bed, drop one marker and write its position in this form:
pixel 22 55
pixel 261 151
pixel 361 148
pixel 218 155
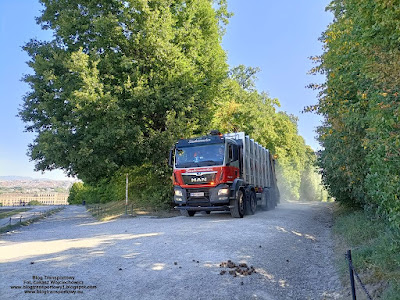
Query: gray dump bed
pixel 258 168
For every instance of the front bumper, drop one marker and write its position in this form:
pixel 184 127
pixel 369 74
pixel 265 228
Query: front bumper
pixel 202 198
pixel 203 208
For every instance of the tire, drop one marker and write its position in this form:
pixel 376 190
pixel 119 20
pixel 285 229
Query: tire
pixel 275 198
pixel 278 196
pixel 208 212
pixel 264 199
pixel 251 205
pixel 187 213
pixel 237 204
pixel 268 200
pixel 271 201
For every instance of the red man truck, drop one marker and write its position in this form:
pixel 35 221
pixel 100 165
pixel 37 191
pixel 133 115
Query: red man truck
pixel 229 172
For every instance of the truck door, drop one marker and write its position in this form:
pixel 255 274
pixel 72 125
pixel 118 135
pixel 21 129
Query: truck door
pixel 233 162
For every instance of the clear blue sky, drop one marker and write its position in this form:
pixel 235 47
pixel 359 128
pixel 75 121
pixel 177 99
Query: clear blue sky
pixel 276 36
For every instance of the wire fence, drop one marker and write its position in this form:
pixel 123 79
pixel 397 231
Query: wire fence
pixel 13 220
pixel 353 272
pixel 10 221
pixel 21 219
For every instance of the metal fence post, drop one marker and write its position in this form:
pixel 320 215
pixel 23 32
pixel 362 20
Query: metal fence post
pixel 126 195
pixel 353 288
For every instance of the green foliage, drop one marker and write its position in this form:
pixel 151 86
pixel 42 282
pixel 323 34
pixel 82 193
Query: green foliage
pixel 76 193
pixel 106 90
pixel 375 249
pixel 149 187
pixel 34 202
pixel 240 107
pixel 360 104
pixel 311 188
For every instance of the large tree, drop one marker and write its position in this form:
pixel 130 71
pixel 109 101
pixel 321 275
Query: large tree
pixel 241 107
pixel 360 103
pixel 120 80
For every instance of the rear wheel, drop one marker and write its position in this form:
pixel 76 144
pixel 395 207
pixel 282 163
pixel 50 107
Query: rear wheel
pixel 275 197
pixel 264 199
pixel 278 196
pixel 251 206
pixel 237 205
pixel 271 201
pixel 187 213
pixel 268 200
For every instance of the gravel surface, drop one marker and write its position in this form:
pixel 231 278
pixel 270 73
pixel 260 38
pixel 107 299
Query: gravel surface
pixel 290 249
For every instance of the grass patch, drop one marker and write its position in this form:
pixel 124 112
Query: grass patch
pixel 5 213
pixel 375 252
pixel 30 221
pixel 117 209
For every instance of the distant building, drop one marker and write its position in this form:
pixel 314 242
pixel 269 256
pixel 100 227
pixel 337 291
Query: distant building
pixel 45 198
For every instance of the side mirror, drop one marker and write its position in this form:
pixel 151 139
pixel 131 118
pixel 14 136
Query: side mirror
pixel 171 158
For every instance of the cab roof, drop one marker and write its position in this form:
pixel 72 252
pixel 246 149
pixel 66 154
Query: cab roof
pixel 203 140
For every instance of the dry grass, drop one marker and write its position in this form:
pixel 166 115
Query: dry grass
pixel 30 221
pixel 5 213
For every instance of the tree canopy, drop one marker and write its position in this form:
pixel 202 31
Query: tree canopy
pixel 360 104
pixel 241 107
pixel 109 89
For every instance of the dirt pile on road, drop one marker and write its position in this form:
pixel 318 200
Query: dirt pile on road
pixel 238 269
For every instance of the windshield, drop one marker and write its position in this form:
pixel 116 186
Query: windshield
pixel 199 156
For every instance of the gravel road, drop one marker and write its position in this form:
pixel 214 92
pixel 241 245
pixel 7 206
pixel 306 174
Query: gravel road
pixel 72 256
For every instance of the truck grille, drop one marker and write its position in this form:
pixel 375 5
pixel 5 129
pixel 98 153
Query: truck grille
pixel 198 178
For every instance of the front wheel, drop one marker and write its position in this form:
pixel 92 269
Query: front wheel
pixel 237 205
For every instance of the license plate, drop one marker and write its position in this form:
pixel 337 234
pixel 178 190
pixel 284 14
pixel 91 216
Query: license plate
pixel 198 194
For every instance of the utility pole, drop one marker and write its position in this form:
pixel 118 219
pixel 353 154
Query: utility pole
pixel 126 195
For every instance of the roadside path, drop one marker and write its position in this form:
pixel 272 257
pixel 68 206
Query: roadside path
pixel 34 212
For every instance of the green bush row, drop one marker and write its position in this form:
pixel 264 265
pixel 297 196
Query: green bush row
pixel 360 103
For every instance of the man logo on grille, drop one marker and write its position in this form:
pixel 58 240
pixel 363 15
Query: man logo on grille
pixel 198 179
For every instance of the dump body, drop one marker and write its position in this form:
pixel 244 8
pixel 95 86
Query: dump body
pixel 258 168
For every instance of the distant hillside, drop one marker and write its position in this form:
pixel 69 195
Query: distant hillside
pixel 12 178
pixel 27 184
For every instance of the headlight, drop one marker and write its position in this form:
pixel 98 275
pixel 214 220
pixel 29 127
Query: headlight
pixel 178 193
pixel 223 192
